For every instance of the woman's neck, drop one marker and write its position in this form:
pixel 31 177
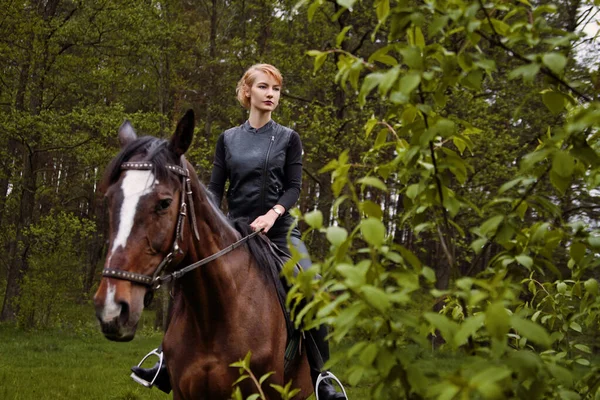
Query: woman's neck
pixel 258 119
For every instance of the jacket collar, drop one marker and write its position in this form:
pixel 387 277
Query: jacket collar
pixel 265 128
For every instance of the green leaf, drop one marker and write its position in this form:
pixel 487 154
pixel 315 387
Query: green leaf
pixel 412 191
pixel 501 27
pixel 265 377
pixel 532 331
pixel 594 242
pixel 429 274
pixel 409 82
pixel 312 9
pixel 336 235
pixel 240 379
pixel 381 138
pixel 368 85
pixel 253 396
pixel 561 287
pixel 562 375
pixel 446 326
pixel 497 321
pixel 314 219
pixel 376 297
pixel 373 231
pixel 525 260
pixel 555 61
pixel 468 328
pixel 563 164
pixel 369 125
pixel 437 24
pixel 477 245
pixel 382 56
pixel 355 375
pixel 388 79
pixel 419 38
pixel 410 257
pixel 575 326
pixel 341 36
pixel 491 374
pixel 491 225
pixel 371 209
pixel 368 355
pixel 373 182
pixel 383 9
pixel 560 182
pixel 346 3
pixel 554 101
pixel 473 79
pixel 412 57
pixel 583 347
pixel 460 144
pixel 591 286
pixel 452 205
pixel 527 71
pixel 319 61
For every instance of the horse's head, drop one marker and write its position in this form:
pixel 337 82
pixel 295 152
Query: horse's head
pixel 145 191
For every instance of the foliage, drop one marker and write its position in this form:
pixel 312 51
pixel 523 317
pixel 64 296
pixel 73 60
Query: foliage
pixel 515 276
pixel 286 392
pixel 46 291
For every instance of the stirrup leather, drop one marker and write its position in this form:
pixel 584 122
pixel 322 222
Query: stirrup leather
pixel 142 381
pixel 328 375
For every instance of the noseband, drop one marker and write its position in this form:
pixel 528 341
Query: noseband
pixel 156 280
pixel 186 192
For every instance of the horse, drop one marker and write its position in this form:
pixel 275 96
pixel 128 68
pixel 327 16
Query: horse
pixel 162 218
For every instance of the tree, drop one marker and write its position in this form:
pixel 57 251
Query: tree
pixel 487 140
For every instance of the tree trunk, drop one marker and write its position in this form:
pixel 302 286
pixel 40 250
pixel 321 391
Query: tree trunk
pixel 17 260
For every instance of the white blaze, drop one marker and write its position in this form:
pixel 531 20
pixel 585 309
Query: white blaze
pixel 135 185
pixel 111 309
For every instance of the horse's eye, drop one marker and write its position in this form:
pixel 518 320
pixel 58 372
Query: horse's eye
pixel 163 204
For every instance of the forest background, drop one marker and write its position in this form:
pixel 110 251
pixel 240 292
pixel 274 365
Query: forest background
pixel 451 164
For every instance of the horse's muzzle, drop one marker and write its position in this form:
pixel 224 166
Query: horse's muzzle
pixel 119 328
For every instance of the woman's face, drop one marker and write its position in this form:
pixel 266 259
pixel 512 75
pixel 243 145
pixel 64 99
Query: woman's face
pixel 264 93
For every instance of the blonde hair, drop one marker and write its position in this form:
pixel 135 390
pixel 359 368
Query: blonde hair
pixel 247 80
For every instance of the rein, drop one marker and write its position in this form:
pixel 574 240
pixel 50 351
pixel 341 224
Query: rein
pixel 156 280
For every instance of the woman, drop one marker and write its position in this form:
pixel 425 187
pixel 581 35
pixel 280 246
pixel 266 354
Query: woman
pixel 263 162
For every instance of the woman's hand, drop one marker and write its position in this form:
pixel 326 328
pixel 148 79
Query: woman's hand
pixel 264 222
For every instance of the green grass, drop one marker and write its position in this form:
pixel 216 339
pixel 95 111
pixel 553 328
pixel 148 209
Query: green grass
pixel 79 363
pixel 65 365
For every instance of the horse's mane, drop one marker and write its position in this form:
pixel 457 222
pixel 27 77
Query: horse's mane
pixel 266 261
pixel 151 149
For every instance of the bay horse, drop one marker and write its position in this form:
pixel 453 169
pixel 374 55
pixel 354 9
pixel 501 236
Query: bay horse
pixel 161 218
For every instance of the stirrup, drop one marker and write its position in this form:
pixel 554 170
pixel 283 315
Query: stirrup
pixel 328 375
pixel 142 381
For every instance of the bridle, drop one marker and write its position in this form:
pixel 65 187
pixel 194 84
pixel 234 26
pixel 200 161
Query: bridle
pixel 155 280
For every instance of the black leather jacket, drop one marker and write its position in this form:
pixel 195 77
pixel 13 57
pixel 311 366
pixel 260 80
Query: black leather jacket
pixel 255 162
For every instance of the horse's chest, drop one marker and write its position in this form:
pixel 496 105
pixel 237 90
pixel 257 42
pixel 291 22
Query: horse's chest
pixel 202 379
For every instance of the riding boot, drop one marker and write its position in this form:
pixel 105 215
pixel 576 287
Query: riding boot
pixel 146 375
pixel 326 390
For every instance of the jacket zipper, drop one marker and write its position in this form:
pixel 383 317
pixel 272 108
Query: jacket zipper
pixel 264 183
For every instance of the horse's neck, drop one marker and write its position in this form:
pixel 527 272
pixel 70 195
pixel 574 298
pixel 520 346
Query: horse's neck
pixel 218 282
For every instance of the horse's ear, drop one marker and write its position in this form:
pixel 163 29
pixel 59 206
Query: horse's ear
pixel 126 134
pixel 184 133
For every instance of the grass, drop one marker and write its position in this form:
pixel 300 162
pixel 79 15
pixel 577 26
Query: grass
pixel 79 363
pixel 65 365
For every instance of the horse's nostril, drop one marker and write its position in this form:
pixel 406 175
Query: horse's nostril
pixel 124 316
